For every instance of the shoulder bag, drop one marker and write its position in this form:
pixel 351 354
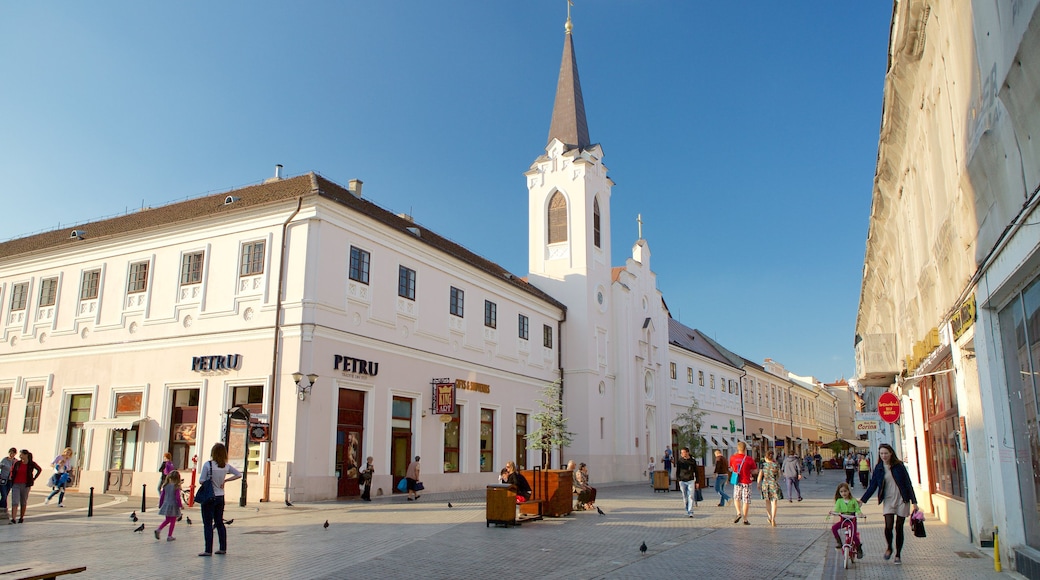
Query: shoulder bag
pixel 205 493
pixel 734 477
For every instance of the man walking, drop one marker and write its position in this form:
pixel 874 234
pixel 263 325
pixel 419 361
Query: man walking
pixel 686 474
pixel 721 475
pixel 850 469
pixel 792 469
pixel 745 467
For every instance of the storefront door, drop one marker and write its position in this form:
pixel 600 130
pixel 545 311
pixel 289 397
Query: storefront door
pixel 349 437
pixel 122 460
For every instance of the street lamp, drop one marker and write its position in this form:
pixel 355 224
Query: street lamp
pixel 302 390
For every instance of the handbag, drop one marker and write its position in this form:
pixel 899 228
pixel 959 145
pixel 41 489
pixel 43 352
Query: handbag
pixel 917 524
pixel 205 492
pixel 734 477
pixel 403 486
pixel 419 486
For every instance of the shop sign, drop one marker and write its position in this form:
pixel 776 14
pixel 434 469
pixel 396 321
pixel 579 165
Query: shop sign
pixel 259 433
pixel 217 362
pixel 866 425
pixel 444 395
pixel 355 365
pixel 472 386
pixel 888 407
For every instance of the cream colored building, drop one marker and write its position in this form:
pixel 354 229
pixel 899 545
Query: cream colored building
pixel 952 261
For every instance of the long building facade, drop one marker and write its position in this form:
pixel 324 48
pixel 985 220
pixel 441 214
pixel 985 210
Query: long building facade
pixel 948 306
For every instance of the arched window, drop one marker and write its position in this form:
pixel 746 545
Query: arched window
pixel 557 218
pixel 595 222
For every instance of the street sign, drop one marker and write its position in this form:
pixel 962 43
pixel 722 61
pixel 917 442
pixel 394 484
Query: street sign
pixel 888 407
pixel 866 425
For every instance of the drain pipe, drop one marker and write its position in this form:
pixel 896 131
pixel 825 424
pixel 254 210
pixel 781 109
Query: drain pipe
pixel 277 343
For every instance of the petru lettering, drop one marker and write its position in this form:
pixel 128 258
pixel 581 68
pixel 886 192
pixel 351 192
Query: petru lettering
pixel 355 365
pixel 228 362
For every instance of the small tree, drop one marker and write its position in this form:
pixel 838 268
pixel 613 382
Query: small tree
pixel 688 427
pixel 552 430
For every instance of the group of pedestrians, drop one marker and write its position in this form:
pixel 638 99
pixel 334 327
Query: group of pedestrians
pixel 19 471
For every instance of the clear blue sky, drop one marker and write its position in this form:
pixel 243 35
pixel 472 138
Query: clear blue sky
pixel 744 132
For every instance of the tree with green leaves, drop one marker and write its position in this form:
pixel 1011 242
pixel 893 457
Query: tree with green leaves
pixel 552 430
pixel 688 427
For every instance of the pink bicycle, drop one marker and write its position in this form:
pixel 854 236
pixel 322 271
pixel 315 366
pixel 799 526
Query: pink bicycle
pixel 847 533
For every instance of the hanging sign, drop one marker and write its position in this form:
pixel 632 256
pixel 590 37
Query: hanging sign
pixel 888 407
pixel 443 397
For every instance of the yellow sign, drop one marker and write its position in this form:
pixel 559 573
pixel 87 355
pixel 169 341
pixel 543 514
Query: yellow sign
pixel 472 386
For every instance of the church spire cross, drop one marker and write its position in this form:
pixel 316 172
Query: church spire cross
pixel 568 27
pixel 639 220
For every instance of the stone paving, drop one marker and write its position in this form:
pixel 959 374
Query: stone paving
pixel 393 538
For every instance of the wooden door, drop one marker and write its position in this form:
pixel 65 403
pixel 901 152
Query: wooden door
pixel 350 428
pixel 122 461
pixel 401 451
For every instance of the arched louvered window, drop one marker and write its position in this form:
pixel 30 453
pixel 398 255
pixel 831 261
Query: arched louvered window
pixel 557 218
pixel 595 222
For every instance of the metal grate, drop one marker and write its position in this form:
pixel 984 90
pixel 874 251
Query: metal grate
pixel 968 554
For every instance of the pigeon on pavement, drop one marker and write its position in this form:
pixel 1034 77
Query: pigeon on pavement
pixel 600 511
pixel 229 522
pixel 326 526
pixel 642 548
pixel 449 505
pixel 139 528
pixel 133 516
pixel 287 503
pixel 189 521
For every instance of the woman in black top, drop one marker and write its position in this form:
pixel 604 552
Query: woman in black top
pixel 721 476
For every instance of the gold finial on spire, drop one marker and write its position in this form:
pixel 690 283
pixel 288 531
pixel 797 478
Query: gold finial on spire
pixel 639 220
pixel 568 27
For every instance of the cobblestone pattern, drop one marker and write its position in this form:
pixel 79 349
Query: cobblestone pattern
pixel 392 538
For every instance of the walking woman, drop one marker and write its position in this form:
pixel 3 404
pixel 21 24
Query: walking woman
pixel 220 472
pixel 895 493
pixel 721 477
pixel 62 465
pixel 22 479
pixel 769 485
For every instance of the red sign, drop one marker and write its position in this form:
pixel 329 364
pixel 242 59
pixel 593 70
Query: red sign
pixel 888 407
pixel 444 397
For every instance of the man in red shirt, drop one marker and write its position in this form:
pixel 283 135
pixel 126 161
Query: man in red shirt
pixel 745 467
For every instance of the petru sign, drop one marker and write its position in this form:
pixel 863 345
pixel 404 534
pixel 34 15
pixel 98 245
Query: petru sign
pixel 888 407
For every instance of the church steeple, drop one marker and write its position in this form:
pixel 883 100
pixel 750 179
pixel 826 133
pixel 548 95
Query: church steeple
pixel 568 119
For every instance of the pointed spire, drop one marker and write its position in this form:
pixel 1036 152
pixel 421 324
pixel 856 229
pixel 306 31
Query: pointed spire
pixel 568 119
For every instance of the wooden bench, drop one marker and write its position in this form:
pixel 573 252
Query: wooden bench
pixel 37 571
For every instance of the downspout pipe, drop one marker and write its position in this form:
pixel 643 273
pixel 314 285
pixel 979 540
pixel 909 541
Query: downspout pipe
pixel 559 365
pixel 277 344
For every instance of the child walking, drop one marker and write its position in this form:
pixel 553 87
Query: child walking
pixel 650 469
pixel 170 504
pixel 844 503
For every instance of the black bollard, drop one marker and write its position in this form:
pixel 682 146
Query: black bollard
pixel 144 505
pixel 90 504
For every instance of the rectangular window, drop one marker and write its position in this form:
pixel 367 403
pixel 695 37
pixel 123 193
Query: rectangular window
pixel 48 291
pixel 452 441
pixel 406 283
pixel 490 314
pixel 33 405
pixel 89 288
pixel 547 336
pixel 457 299
pixel 487 440
pixel 252 258
pixel 521 441
pixel 19 296
pixel 5 408
pixel 523 327
pixel 138 279
pixel 671 370
pixel 700 378
pixel 191 268
pixel 689 375
pixel 712 381
pixel 943 424
pixel 359 260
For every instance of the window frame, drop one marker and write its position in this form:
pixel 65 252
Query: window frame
pixel 457 302
pixel 360 263
pixel 673 370
pixel 192 264
pixel 523 327
pixel 252 259
pixel 406 282
pixel 490 314
pixel 5 407
pixel 137 283
pixel 556 219
pixel 88 284
pixel 547 336
pixel 487 444
pixel 50 287
pixel 19 296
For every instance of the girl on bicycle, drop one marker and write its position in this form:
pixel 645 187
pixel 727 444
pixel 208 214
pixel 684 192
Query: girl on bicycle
pixel 844 503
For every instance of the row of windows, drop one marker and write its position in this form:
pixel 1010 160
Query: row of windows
pixel 453 441
pixel 726 386
pixel 358 271
pixel 252 263
pixel 557 220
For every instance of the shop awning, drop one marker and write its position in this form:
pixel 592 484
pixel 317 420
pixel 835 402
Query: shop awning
pixel 715 442
pixel 848 443
pixel 768 438
pixel 116 424
pixel 725 442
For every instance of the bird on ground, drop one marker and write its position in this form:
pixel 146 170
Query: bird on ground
pixel 139 528
pixel 229 522
pixel 642 548
pixel 133 516
pixel 326 526
pixel 449 505
pixel 600 511
pixel 257 510
pixel 189 521
pixel 180 517
pixel 287 503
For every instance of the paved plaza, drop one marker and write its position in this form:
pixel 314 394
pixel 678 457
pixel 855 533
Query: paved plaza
pixel 394 538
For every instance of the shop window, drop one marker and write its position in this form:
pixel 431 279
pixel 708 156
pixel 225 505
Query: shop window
pixel 453 441
pixel 943 424
pixel 521 441
pixel 184 425
pixel 487 440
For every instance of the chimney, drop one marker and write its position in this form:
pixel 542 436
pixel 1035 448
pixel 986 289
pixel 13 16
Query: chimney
pixel 354 186
pixel 277 174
